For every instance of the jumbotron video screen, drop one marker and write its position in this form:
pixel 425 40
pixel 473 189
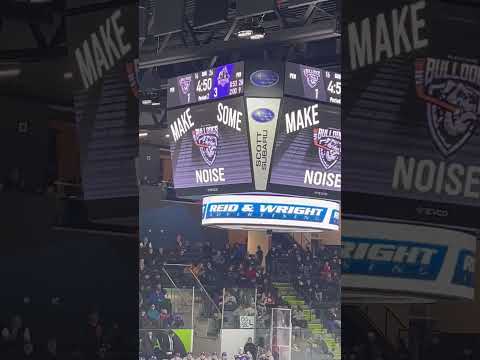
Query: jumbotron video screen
pixel 307 155
pixel 256 127
pixel 209 147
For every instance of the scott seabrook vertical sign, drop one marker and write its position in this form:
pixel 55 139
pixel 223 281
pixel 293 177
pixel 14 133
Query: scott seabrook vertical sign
pixel 262 124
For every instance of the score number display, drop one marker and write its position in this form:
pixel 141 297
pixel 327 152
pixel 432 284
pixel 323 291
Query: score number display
pixel 212 84
pixel 313 84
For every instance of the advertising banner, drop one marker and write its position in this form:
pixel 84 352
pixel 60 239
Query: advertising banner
pixel 413 260
pixel 282 213
pixel 165 343
pixel 262 123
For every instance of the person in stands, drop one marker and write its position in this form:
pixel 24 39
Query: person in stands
pixel 153 314
pixel 189 356
pixel 259 256
pixel 251 348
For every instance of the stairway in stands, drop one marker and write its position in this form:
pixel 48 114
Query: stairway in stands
pixel 289 296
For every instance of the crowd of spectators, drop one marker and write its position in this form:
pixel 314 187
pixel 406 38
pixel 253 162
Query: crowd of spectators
pixel 54 334
pixel 16 181
pixel 216 269
pixel 314 276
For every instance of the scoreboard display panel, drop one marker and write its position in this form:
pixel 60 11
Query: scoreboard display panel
pixel 312 83
pixel 307 154
pixel 272 128
pixel 209 148
pixel 212 84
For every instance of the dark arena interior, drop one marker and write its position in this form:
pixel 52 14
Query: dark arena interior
pixel 223 289
pixel 103 258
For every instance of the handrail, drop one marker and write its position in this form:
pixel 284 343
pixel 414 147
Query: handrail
pixel 399 324
pixel 169 277
pixel 204 290
pixel 367 319
pixel 396 317
pixel 389 347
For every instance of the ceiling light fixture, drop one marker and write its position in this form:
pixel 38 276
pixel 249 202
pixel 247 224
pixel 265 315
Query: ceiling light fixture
pixel 245 33
pixel 142 134
pixel 258 34
pixel 245 30
pixel 146 102
pixel 252 30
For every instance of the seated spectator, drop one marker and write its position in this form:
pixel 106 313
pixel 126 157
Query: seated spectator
pixel 268 299
pixel 179 246
pixel 157 296
pixel 165 319
pixel 177 322
pixel 218 259
pixel 326 270
pixel 230 301
pixel 233 275
pixel 298 318
pixel 153 314
pixel 145 321
pixel 251 275
pixel 160 257
pixel 207 250
pixel 259 256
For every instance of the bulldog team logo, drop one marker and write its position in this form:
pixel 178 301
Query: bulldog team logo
pixel 185 84
pixel 329 143
pixel 223 77
pixel 451 91
pixel 206 138
pixel 312 76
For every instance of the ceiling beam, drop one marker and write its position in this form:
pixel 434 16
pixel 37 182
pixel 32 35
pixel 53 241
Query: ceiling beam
pixel 33 55
pixel 226 38
pixel 319 31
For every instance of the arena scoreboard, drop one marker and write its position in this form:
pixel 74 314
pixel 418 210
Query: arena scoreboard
pixel 313 84
pixel 212 84
pixel 256 127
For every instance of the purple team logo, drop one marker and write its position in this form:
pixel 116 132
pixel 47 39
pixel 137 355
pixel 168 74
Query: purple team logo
pixel 206 138
pixel 329 143
pixel 223 77
pixel 312 76
pixel 185 84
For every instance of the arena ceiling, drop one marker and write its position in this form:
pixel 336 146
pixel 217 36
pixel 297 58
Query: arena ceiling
pixel 305 31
